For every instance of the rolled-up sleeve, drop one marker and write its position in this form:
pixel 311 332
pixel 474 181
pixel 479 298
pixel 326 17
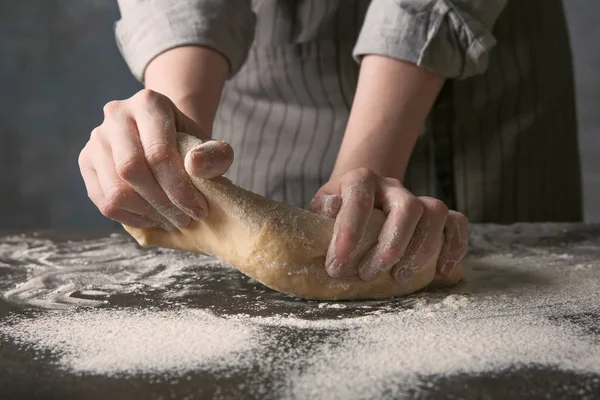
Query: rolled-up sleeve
pixel 451 38
pixel 148 28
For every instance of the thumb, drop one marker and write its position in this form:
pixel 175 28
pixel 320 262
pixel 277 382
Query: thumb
pixel 209 159
pixel 326 204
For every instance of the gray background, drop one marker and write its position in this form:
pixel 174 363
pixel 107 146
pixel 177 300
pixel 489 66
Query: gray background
pixel 59 65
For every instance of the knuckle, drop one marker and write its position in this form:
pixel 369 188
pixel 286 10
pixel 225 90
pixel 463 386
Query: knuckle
pixel 435 206
pixel 95 134
pixel 148 96
pixel 359 185
pixel 130 167
pixel 157 154
pixel 112 108
pixel 108 208
pixel 115 198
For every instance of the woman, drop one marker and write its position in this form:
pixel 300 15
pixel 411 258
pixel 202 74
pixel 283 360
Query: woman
pixel 326 101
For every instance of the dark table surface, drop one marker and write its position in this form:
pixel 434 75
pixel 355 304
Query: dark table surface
pixel 27 374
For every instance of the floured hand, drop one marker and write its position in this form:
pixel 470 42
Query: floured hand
pixel 132 169
pixel 414 229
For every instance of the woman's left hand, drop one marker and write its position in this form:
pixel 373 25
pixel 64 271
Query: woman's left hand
pixel 409 237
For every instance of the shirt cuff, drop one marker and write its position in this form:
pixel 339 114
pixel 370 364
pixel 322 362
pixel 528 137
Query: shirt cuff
pixel 149 28
pixel 433 34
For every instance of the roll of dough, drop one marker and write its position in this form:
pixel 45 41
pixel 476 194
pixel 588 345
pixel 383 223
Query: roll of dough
pixel 279 245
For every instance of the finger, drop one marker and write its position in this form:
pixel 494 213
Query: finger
pixel 209 160
pixel 118 194
pixel 327 205
pixel 427 239
pixel 403 211
pixel 358 195
pixel 452 279
pixel 455 245
pixel 96 194
pixel 130 166
pixel 155 121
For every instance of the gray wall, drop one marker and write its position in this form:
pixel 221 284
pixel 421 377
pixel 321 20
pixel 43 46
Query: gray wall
pixel 59 64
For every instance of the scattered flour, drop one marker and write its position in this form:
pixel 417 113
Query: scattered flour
pixel 532 310
pixel 127 341
pixel 390 353
pixel 97 268
pixel 334 305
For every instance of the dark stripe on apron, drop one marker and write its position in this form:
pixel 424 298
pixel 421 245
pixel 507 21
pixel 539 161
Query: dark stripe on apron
pixel 316 123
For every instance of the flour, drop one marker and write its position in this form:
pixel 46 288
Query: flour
pixel 96 269
pixel 127 342
pixel 329 305
pixel 516 309
pixel 395 351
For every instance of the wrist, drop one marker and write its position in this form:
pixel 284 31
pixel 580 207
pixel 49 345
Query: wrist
pixel 191 104
pixel 193 78
pixel 384 151
pixel 393 99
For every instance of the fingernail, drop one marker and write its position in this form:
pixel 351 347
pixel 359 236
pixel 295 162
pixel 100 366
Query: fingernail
pixel 447 268
pixel 335 269
pixel 199 213
pixel 200 152
pixel 368 271
pixel 331 205
pixel 209 158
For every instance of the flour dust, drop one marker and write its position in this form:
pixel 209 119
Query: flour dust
pixel 521 305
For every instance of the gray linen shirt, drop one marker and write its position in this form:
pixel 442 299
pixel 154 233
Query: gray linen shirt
pixel 451 38
pixel 500 143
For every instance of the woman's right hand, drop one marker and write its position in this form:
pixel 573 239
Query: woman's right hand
pixel 132 169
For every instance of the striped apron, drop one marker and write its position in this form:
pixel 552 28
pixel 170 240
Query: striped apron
pixel 500 147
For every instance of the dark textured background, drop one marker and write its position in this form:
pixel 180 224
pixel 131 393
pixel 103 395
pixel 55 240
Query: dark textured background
pixel 59 65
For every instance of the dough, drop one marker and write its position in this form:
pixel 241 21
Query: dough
pixel 281 246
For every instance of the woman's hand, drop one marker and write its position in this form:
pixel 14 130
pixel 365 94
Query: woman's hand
pixel 410 235
pixel 132 169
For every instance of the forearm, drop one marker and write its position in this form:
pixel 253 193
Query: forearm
pixel 193 78
pixel 392 101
